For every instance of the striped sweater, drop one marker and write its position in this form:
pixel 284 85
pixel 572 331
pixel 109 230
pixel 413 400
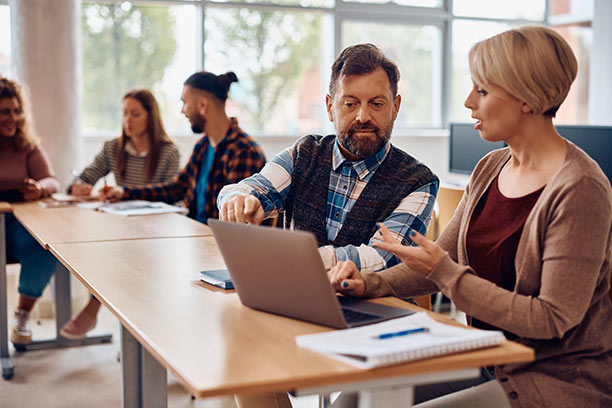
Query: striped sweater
pixel 107 161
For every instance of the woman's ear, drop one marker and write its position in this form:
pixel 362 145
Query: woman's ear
pixel 526 108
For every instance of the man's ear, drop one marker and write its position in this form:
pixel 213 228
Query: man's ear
pixel 396 105
pixel 526 108
pixel 203 104
pixel 328 103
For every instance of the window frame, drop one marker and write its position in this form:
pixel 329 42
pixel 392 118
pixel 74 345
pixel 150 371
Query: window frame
pixel 342 11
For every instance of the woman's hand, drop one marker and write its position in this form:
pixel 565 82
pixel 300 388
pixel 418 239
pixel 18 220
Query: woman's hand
pixel 346 278
pixel 32 190
pixel 112 194
pixel 81 189
pixel 422 258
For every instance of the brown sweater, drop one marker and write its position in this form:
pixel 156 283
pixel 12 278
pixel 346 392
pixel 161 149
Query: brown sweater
pixel 560 304
pixel 17 165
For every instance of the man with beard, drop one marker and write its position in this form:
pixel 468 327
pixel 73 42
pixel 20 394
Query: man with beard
pixel 224 155
pixel 340 186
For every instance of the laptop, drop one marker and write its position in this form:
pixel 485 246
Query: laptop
pixel 280 271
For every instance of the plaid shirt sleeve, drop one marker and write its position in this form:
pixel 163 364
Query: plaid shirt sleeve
pixel 271 185
pixel 412 213
pixel 170 191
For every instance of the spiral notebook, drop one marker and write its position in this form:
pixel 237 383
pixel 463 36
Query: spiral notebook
pixel 400 340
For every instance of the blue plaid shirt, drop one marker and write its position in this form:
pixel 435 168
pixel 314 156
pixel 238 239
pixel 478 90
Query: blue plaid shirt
pixel 346 182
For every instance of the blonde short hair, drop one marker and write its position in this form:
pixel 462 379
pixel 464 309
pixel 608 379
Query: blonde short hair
pixel 533 64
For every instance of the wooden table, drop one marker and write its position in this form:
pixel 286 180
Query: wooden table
pixel 72 224
pixel 214 345
pixel 7 364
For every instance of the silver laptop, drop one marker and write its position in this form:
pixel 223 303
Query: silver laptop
pixel 281 272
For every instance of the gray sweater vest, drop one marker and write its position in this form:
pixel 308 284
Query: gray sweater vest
pixel 397 176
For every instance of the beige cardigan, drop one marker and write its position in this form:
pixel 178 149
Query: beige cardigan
pixel 560 305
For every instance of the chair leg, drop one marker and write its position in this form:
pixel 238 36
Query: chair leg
pixel 438 302
pixel 453 310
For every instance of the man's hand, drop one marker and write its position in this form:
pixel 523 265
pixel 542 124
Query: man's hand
pixel 346 278
pixel 243 209
pixel 32 190
pixel 112 194
pixel 81 189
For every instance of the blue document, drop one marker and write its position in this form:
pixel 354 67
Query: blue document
pixel 218 277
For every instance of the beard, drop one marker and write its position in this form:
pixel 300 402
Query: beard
pixel 364 147
pixel 198 122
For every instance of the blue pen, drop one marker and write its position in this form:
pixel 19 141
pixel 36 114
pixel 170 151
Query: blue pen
pixel 401 333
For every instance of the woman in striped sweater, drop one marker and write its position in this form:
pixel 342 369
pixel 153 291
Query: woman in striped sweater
pixel 143 154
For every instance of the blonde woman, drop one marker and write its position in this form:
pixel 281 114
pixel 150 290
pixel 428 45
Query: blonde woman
pixel 528 249
pixel 24 163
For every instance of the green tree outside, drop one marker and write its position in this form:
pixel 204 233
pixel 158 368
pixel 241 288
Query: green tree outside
pixel 124 47
pixel 268 50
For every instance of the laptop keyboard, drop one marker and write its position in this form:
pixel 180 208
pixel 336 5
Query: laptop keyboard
pixel 353 316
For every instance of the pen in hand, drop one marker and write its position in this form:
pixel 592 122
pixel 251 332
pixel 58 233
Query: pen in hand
pixel 401 333
pixel 105 189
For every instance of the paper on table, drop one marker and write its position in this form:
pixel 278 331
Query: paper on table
pixel 59 200
pixel 140 207
pixel 73 198
pixel 90 205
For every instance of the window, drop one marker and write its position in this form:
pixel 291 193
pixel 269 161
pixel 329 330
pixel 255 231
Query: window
pixel 5 40
pixel 572 19
pixel 416 51
pixel 128 46
pixel 282 51
pixel 465 34
pixel 417 3
pixel 515 9
pixel 277 58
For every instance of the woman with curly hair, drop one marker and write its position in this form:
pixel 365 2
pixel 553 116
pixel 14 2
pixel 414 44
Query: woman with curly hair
pixel 26 168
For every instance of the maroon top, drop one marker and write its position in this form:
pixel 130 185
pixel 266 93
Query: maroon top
pixel 493 237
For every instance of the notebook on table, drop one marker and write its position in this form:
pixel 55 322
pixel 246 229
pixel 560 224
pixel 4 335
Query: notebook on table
pixel 405 339
pixel 281 272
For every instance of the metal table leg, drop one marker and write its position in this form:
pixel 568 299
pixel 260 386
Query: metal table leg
pixel 144 380
pixel 7 364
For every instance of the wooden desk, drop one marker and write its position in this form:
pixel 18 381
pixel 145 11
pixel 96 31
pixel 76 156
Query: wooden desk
pixel 7 364
pixel 213 344
pixel 72 224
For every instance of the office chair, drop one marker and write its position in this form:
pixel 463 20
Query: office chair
pixel 446 204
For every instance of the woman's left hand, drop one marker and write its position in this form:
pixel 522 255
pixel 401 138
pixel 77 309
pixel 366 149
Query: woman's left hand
pixel 422 258
pixel 32 190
